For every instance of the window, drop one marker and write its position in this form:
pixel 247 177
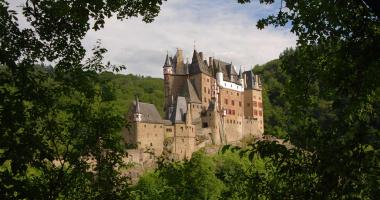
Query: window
pixel 248 104
pixel 254 112
pixel 254 104
pixel 260 113
pixel 204 89
pixel 239 103
pixel 205 99
pixel 237 93
pixel 168 130
pixel 182 129
pixel 232 102
pixel 233 112
pixel 260 105
pixel 208 91
pixel 207 80
pixel 205 125
pixel 226 101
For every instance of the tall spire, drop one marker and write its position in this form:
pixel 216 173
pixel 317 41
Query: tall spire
pixel 167 61
pixel 240 73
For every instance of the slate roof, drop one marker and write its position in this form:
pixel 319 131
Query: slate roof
pixel 227 69
pixel 199 66
pixel 149 113
pixel 189 92
pixel 250 79
pixel 167 61
pixel 180 110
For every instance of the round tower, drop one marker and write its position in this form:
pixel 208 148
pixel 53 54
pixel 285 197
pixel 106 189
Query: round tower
pixel 219 76
pixel 168 71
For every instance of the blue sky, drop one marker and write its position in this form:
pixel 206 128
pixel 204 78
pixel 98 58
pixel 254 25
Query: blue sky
pixel 223 29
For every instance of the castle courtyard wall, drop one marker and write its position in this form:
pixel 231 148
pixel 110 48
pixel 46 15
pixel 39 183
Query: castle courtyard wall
pixel 150 136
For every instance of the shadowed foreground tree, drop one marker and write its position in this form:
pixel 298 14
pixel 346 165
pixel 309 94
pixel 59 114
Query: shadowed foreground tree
pixel 53 121
pixel 334 96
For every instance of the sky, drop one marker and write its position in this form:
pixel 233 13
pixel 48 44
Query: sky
pixel 222 29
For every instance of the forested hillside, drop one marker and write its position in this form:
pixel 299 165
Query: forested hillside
pixel 123 88
pixel 275 104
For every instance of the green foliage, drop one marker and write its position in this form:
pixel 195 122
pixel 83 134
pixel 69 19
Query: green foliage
pixel 59 127
pixel 275 105
pixel 121 89
pixel 193 179
pixel 333 94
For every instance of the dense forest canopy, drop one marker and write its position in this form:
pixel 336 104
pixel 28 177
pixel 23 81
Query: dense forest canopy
pixel 323 96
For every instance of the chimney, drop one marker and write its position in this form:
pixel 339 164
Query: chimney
pixel 210 61
pixel 179 56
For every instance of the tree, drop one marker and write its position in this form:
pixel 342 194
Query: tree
pixel 333 92
pixel 53 123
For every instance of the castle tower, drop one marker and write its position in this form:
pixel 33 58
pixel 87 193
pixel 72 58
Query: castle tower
pixel 219 75
pixel 168 71
pixel 253 102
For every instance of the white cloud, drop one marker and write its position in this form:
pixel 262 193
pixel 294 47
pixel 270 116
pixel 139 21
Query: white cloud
pixel 221 28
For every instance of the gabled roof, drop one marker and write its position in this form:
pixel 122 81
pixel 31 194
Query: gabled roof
pixel 198 65
pixel 180 110
pixel 251 79
pixel 227 69
pixel 149 112
pixel 189 92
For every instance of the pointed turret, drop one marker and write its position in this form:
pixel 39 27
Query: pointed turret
pixel 219 75
pixel 168 68
pixel 167 61
pixel 137 113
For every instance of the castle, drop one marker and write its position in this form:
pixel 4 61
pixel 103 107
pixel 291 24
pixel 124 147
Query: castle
pixel 206 102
